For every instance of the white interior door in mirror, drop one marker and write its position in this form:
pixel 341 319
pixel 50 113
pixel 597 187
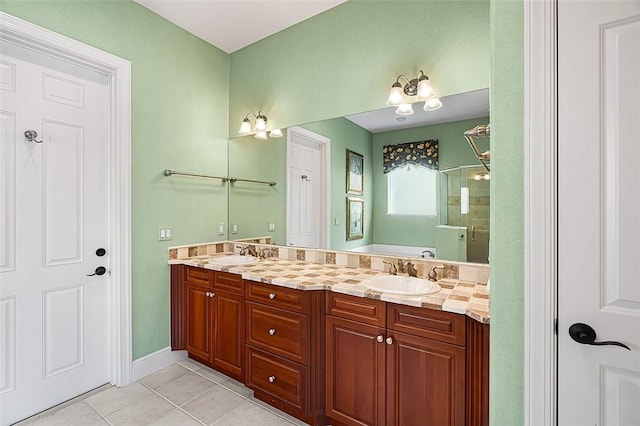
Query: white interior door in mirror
pixel 306 202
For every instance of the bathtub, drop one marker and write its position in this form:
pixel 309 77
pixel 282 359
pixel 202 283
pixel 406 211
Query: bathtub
pixel 400 251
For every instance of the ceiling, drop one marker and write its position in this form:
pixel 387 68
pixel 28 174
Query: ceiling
pixel 233 24
pixel 462 106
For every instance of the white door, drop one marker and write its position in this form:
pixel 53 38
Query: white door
pixel 53 202
pixel 305 186
pixel 599 211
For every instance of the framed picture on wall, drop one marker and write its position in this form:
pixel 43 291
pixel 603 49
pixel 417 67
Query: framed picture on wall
pixel 355 176
pixel 355 215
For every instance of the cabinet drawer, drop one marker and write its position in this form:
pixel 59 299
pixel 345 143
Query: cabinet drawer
pixel 281 297
pixel 281 332
pixel 437 325
pixel 197 275
pixel 228 282
pixel 361 309
pixel 277 376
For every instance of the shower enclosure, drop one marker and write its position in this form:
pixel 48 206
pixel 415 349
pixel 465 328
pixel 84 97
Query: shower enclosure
pixel 465 213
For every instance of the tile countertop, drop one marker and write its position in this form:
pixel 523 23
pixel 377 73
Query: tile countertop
pixel 461 297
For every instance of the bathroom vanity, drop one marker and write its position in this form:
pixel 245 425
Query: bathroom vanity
pixel 327 353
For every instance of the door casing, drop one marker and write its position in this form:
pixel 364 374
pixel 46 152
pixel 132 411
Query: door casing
pixel 118 72
pixel 540 280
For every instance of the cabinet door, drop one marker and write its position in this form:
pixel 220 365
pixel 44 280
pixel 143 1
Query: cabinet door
pixel 425 382
pixel 355 368
pixel 199 306
pixel 228 345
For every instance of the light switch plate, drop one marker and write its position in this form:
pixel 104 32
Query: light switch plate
pixel 165 233
pixel 221 229
pixel 234 228
pixel 271 227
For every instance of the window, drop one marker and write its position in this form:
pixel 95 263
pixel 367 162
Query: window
pixel 413 191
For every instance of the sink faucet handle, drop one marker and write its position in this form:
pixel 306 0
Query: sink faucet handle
pixel 433 275
pixel 392 268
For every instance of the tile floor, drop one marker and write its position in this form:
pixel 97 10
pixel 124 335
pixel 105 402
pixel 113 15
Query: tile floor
pixel 186 393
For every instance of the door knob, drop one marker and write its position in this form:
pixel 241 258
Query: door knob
pixel 31 136
pixel 100 270
pixel 101 252
pixel 584 334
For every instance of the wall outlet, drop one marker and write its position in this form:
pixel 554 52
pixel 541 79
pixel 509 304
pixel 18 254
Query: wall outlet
pixel 234 228
pixel 221 229
pixel 271 227
pixel 165 233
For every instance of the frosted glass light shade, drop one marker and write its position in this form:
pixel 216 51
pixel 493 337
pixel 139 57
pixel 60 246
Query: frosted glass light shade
pixel 432 104
pixel 245 127
pixel 404 109
pixel 261 123
pixel 424 89
pixel 395 95
pixel 261 135
pixel 275 133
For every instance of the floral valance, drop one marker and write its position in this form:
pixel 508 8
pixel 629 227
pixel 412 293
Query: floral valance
pixel 422 153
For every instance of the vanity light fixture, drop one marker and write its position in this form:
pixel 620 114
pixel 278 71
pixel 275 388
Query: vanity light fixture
pixel 259 128
pixel 415 90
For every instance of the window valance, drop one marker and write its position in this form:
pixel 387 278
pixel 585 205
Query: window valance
pixel 421 153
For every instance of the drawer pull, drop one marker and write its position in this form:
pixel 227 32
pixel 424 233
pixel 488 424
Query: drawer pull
pixel 380 338
pixel 272 296
pixel 272 331
pixel 272 379
pixel 389 341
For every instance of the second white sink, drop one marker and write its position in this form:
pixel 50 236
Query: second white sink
pixel 404 285
pixel 234 259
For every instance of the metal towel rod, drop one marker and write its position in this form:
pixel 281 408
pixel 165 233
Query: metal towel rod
pixel 169 172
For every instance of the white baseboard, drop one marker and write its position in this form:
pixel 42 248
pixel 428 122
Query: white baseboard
pixel 155 361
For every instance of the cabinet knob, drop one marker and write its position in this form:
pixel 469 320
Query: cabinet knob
pixel 210 294
pixel 380 338
pixel 207 294
pixel 272 331
pixel 389 341
pixel 272 296
pixel 272 379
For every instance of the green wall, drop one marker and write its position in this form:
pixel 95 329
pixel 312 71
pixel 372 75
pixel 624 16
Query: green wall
pixel 453 151
pixel 252 206
pixel 344 61
pixel 507 213
pixel 179 120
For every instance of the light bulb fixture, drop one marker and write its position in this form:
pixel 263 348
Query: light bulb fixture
pixel 415 90
pixel 404 109
pixel 259 128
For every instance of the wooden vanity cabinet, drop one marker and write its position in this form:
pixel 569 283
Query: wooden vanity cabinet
pixel 390 364
pixel 283 336
pixel 212 317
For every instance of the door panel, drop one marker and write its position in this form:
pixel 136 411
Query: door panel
pixel 53 207
pixel 598 210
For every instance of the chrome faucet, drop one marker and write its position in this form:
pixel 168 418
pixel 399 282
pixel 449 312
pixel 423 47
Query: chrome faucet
pixel 392 268
pixel 401 266
pixel 243 250
pixel 252 251
pixel 428 253
pixel 411 270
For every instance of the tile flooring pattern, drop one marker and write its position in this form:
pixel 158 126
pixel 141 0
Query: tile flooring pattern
pixel 185 394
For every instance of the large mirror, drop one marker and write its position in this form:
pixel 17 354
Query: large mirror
pixel 332 189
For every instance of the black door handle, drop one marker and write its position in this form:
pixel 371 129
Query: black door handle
pixel 584 334
pixel 101 252
pixel 100 270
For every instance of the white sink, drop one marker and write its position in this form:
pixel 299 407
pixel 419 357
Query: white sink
pixel 397 284
pixel 234 259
